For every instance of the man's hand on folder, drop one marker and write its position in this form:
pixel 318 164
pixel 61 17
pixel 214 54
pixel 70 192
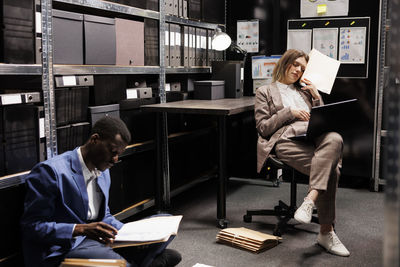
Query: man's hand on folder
pixel 99 231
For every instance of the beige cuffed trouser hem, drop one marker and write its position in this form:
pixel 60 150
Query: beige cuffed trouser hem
pixel 321 162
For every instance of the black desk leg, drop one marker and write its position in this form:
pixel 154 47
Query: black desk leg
pixel 163 178
pixel 221 198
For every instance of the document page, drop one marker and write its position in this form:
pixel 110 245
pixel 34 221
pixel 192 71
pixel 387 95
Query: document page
pixel 321 70
pixel 151 229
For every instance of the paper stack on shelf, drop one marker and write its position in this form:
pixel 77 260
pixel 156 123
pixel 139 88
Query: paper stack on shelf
pixel 247 239
pixel 147 231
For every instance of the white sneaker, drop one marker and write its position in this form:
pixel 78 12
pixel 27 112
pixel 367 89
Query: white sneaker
pixel 304 213
pixel 332 244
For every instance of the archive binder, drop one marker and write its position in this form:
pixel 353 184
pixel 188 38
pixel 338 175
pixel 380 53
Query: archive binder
pixel 72 98
pixel 192 46
pixel 180 8
pixel 203 47
pixel 167 45
pixel 17 40
pixel 198 57
pixel 175 11
pixel 151 42
pixel 67 37
pixel 152 5
pixel 100 44
pixel 169 7
pixel 175 45
pixel 130 42
pixel 194 10
pixel 210 51
pixel 23 137
pixel 185 58
pixel 185 9
pixel 72 135
pixel 108 89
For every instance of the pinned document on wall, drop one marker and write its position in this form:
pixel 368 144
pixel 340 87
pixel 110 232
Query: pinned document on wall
pixel 325 40
pixel 319 8
pixel 248 35
pixel 293 40
pixel 352 45
pixel 263 66
pixel 321 70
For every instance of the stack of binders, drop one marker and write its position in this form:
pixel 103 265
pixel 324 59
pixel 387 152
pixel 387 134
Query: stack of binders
pixel 247 239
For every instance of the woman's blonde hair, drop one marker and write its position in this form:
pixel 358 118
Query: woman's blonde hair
pixel 285 61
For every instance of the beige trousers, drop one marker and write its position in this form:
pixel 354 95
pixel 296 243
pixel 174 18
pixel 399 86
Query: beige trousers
pixel 321 161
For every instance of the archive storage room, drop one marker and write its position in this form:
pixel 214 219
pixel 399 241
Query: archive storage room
pixel 213 94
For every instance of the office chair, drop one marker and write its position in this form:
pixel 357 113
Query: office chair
pixel 282 211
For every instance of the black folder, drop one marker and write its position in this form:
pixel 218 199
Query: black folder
pixel 151 42
pixel 194 9
pixel 17 42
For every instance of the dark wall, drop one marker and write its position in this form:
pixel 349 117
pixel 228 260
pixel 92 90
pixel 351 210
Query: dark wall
pixel 273 16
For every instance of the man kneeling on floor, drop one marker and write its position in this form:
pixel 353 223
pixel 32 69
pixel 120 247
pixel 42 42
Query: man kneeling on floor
pixel 66 206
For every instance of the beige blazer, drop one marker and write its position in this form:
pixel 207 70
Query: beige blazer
pixel 272 118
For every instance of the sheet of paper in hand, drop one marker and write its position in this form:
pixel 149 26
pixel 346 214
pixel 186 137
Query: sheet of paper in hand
pixel 321 70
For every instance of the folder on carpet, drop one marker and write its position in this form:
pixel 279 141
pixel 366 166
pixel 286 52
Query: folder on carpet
pixel 251 240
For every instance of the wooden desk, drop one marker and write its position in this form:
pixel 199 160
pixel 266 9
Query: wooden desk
pixel 222 108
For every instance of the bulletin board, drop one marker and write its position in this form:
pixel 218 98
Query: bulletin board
pixel 344 39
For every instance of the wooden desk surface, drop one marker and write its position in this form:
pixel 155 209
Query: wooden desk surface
pixel 226 106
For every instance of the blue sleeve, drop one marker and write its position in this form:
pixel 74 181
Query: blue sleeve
pixel 111 220
pixel 39 208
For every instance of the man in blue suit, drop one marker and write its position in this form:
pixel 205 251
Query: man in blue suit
pixel 66 213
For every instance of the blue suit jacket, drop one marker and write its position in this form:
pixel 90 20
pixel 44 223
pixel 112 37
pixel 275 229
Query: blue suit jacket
pixel 56 199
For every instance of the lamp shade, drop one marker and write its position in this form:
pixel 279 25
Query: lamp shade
pixel 220 41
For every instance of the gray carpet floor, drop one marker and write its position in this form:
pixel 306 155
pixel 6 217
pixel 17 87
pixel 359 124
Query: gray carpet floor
pixel 359 226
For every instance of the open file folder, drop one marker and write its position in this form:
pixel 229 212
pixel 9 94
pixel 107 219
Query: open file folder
pixel 251 240
pixel 147 231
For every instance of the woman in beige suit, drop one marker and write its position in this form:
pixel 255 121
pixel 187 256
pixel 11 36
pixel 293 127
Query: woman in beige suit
pixel 282 110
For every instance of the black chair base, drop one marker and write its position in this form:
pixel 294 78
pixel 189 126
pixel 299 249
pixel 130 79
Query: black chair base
pixel 282 211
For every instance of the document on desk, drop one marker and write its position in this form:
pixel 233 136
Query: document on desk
pixel 147 231
pixel 321 70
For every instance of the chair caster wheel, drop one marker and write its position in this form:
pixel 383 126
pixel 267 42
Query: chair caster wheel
pixel 276 183
pixel 277 233
pixel 247 218
pixel 222 223
pixel 278 209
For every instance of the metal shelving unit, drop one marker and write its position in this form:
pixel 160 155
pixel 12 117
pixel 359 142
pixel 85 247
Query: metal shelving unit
pixel 113 7
pixel 382 71
pixel 89 69
pixel 48 70
pixel 93 70
pixel 177 70
pixel 20 69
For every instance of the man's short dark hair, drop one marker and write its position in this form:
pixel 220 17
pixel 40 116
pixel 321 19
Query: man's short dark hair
pixel 108 127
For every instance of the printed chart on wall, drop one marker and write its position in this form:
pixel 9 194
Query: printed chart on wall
pixel 295 35
pixel 352 45
pixel 262 68
pixel 325 41
pixel 248 35
pixel 343 39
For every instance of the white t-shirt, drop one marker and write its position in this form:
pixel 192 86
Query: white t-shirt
pixel 95 195
pixel 291 97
